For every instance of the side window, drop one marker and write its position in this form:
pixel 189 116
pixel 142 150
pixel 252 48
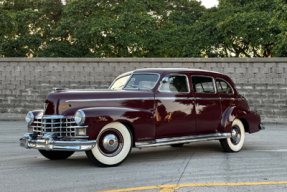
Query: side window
pixel 202 84
pixel 174 83
pixel 223 87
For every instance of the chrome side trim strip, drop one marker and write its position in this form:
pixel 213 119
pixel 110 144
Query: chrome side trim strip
pixel 185 139
pixel 233 99
pixel 111 99
pixel 207 98
pixel 142 98
pixel 174 98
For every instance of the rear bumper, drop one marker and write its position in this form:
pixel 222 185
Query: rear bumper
pixel 261 126
pixel 50 142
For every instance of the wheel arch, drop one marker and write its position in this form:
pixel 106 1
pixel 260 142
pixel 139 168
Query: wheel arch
pixel 131 129
pixel 232 113
pixel 245 123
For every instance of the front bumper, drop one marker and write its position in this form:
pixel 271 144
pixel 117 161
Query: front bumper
pixel 50 142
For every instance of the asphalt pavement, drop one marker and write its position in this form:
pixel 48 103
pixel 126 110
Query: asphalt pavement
pixel 260 166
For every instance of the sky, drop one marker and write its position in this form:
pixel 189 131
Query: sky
pixel 209 3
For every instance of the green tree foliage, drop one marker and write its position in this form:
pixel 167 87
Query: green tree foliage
pixel 280 48
pixel 133 28
pixel 142 28
pixel 239 28
pixel 28 25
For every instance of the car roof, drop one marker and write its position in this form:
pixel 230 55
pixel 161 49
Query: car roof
pixel 173 70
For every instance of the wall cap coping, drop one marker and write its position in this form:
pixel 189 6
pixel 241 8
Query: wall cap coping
pixel 147 60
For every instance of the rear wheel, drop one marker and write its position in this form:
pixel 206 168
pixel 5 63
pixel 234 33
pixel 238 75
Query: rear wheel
pixel 114 143
pixel 56 155
pixel 236 141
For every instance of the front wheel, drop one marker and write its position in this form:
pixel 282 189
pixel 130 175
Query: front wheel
pixel 114 143
pixel 56 155
pixel 235 142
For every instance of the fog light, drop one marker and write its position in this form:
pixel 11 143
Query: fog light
pixel 30 129
pixel 81 132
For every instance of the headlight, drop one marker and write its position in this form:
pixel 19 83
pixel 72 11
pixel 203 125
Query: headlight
pixel 80 117
pixel 29 118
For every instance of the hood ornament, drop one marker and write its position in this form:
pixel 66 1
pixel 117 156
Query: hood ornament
pixel 60 89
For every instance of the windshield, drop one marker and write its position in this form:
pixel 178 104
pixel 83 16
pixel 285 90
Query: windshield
pixel 145 81
pixel 120 82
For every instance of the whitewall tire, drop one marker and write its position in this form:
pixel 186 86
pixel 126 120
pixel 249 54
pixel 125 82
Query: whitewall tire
pixel 114 143
pixel 236 141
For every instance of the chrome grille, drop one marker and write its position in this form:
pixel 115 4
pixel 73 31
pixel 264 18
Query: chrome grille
pixel 62 126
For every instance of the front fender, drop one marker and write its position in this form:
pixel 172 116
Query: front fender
pixel 141 122
pixel 250 119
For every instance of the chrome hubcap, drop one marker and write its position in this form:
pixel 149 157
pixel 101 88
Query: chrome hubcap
pixel 235 135
pixel 110 142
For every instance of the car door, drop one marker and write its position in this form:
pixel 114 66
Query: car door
pixel 174 107
pixel 207 104
pixel 226 93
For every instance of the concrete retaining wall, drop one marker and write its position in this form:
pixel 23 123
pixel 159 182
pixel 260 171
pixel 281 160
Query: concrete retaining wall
pixel 25 82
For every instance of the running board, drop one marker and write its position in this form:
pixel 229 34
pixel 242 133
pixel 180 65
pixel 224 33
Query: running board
pixel 185 139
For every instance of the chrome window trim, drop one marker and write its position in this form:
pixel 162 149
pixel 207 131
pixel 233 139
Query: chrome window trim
pixel 136 73
pixel 227 84
pixel 111 99
pixel 184 139
pixel 174 98
pixel 176 74
pixel 214 85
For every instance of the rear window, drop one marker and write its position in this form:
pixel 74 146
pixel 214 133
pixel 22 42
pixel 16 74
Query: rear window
pixel 223 87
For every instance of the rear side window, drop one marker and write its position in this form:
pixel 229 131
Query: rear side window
pixel 223 87
pixel 174 84
pixel 203 84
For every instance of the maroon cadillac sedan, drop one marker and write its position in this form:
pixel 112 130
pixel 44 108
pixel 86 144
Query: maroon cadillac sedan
pixel 142 108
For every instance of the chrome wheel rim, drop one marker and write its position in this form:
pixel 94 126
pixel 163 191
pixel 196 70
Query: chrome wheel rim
pixel 235 135
pixel 110 142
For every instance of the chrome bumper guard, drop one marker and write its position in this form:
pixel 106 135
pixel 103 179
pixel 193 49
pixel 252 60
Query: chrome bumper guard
pixel 49 142
pixel 261 126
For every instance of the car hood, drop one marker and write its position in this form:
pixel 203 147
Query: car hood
pixel 67 102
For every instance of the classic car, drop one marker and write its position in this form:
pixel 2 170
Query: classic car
pixel 141 108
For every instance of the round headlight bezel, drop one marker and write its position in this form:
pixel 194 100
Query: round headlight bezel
pixel 29 118
pixel 80 117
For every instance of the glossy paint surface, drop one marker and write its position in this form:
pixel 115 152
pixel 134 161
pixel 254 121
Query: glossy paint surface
pixel 152 114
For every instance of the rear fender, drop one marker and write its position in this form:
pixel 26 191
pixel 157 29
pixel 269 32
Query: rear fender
pixel 141 121
pixel 250 119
